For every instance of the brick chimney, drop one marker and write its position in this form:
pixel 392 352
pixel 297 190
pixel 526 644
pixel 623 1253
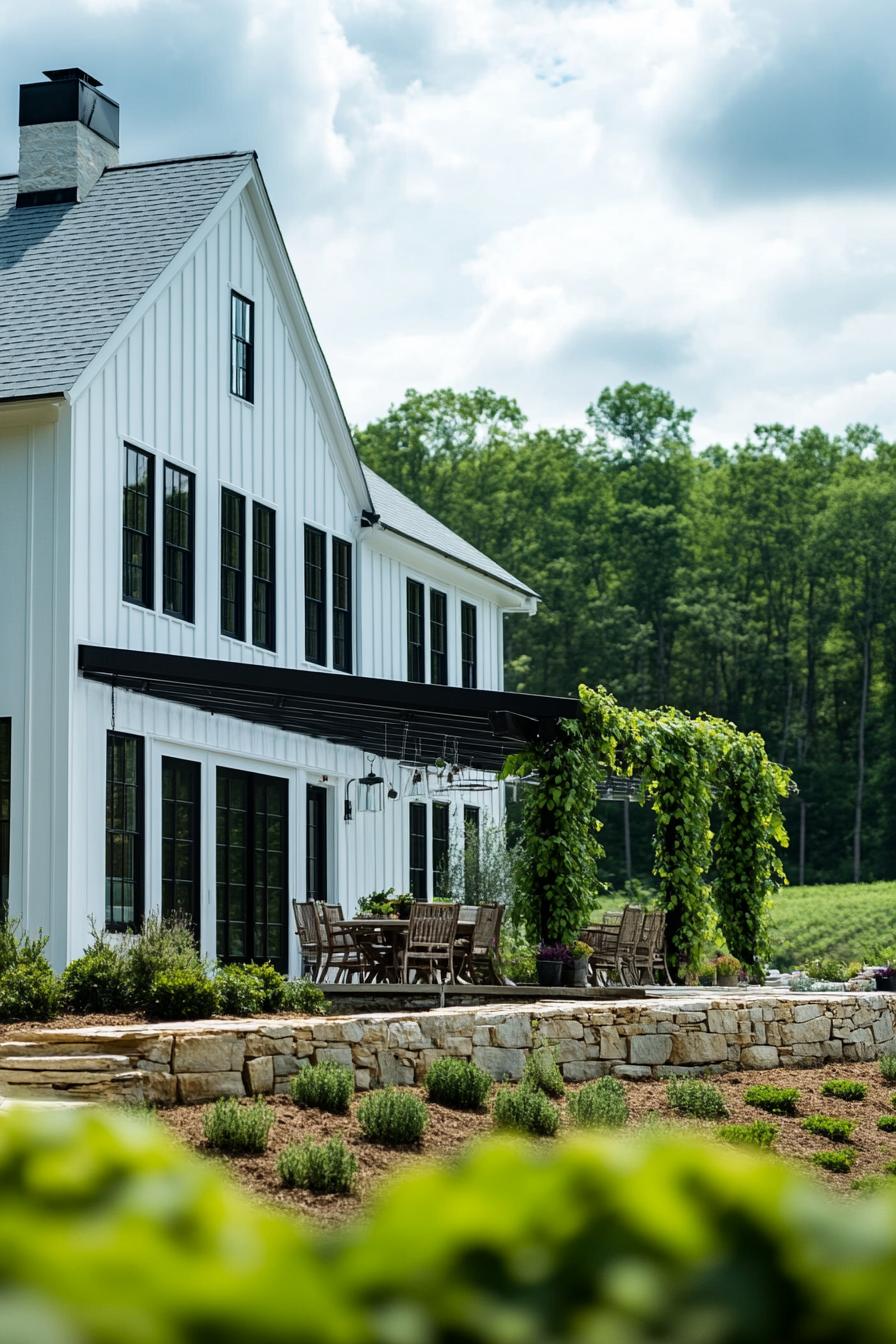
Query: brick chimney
pixel 68 133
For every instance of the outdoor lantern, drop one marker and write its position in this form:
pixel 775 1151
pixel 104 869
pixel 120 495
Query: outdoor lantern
pixel 417 787
pixel 370 793
pixel 347 810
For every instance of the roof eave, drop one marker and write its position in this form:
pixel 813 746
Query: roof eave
pixel 531 597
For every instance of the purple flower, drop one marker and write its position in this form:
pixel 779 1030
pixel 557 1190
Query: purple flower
pixel 553 952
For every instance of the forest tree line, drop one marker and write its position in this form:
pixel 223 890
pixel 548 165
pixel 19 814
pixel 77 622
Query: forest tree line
pixel 755 581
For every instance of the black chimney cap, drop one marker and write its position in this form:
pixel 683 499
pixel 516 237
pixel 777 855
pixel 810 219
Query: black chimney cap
pixel 74 72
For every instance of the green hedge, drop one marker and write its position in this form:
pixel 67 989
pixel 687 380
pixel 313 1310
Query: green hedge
pixel 111 1233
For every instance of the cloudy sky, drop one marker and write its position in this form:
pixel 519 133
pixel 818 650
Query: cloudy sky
pixel 542 196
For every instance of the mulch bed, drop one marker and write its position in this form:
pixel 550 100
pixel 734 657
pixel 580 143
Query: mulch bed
pixel 449 1131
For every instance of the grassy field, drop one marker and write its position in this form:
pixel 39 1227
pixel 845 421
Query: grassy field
pixel 847 922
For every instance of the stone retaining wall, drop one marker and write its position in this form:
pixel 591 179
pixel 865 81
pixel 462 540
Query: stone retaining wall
pixel 654 1037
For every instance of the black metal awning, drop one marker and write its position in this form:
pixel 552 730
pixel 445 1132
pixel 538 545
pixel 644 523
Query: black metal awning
pixel 397 719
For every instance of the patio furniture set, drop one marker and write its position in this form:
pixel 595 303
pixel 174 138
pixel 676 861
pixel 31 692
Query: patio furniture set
pixel 439 942
pixel 628 948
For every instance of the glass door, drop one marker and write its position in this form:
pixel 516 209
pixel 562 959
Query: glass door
pixel 252 867
pixel 316 843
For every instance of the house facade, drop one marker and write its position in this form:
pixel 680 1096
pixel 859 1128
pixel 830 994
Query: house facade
pixel 178 483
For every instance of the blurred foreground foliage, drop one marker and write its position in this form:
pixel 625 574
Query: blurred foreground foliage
pixel 111 1233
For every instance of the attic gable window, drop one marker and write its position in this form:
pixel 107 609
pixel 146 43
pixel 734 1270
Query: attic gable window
pixel 242 347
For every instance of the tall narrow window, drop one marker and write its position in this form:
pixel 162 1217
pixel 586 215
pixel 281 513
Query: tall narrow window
pixel 468 645
pixel 264 630
pixel 180 839
pixel 233 565
pixel 438 638
pixel 417 856
pixel 124 831
pixel 5 808
pixel 137 527
pixel 441 813
pixel 315 596
pixel 242 347
pixel 416 632
pixel 177 562
pixel 471 851
pixel 342 605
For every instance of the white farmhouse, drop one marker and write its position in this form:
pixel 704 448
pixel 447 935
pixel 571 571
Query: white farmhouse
pixel 215 621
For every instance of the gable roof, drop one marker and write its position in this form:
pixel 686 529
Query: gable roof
pixel 401 515
pixel 70 274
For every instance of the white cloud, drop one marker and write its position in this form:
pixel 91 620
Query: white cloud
pixel 529 193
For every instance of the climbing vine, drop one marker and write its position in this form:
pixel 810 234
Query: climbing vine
pixel 686 765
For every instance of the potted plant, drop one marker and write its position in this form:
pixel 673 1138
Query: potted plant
pixel 378 904
pixel 402 904
pixel 728 970
pixel 885 977
pixel 575 969
pixel 549 962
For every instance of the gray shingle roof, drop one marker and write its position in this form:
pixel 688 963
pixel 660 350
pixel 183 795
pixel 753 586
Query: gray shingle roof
pixel 400 514
pixel 70 274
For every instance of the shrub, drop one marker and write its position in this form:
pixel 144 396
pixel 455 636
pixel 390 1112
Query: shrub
pixel 690 1096
pixel 97 981
pixel 776 1100
pixel 304 997
pixel 890 1169
pixel 525 1110
pixel 324 1168
pixel 272 985
pixel 457 1082
pixel 28 992
pixel 756 1134
pixel 327 1086
pixel 232 1128
pixel 181 995
pixel 871 1183
pixel 887 1123
pixel 542 1072
pixel 391 1117
pixel 599 1104
pixel 844 1089
pixel 161 945
pixel 827 1127
pixel 835 1159
pixel 888 1068
pixel 239 991
pixel 89 1250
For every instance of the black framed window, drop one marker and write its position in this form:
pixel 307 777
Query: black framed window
pixel 417 855
pixel 264 629
pixel 315 843
pixel 5 810
pixel 124 831
pixel 315 596
pixel 233 564
pixel 181 793
pixel 438 638
pixel 342 605
pixel 441 814
pixel 138 526
pixel 468 651
pixel 471 846
pixel 178 567
pixel 416 632
pixel 242 347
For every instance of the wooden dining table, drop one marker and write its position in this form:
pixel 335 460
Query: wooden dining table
pixel 381 942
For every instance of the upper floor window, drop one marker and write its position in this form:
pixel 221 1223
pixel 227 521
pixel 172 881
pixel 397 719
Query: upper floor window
pixel 438 638
pixel 233 564
pixel 416 632
pixel 468 653
pixel 315 596
pixel 263 577
pixel 124 831
pixel 178 531
pixel 137 526
pixel 342 605
pixel 242 347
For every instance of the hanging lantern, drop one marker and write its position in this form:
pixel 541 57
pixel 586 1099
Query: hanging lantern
pixel 417 786
pixel 370 793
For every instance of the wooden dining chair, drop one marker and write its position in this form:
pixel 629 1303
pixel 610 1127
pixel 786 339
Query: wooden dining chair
pixel 613 944
pixel 341 952
pixel 479 952
pixel 429 944
pixel 308 932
